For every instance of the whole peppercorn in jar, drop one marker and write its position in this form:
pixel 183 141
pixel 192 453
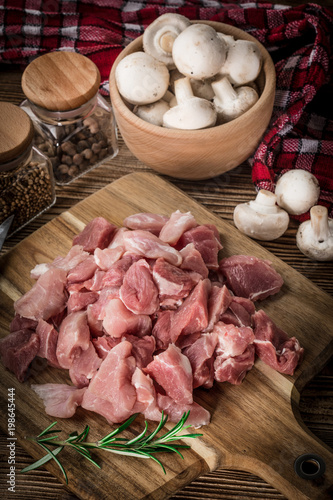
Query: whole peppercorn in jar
pixel 26 176
pixel 74 124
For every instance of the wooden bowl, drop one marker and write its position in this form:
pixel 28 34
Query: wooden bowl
pixel 197 154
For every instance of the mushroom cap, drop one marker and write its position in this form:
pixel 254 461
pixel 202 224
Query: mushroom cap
pixel 159 36
pixel 261 218
pixel 195 113
pixel 198 52
pixel 141 79
pixel 230 106
pixel 152 113
pixel 297 191
pixel 243 62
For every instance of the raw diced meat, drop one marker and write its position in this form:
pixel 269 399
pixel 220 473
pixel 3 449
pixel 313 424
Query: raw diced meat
pixel 218 302
pixel 118 238
pixel 205 241
pixel 142 349
pixel 173 282
pixel 192 316
pixel 250 277
pixel 83 271
pixel 163 330
pixel 74 337
pixel 75 255
pixel 146 221
pixel 85 366
pixel 138 291
pixel 232 340
pixel 198 416
pixel 80 300
pixel 201 356
pixel 108 256
pixel 242 309
pixel 21 323
pixel 60 400
pixel 146 402
pixel 118 320
pixel 111 392
pixel 177 225
pixel 274 346
pixel 186 340
pixel 172 371
pixel 104 344
pixel 234 369
pixel 48 337
pixel 96 283
pixel 148 245
pixel 115 274
pixel 96 234
pixel 193 261
pixel 17 350
pixel 46 298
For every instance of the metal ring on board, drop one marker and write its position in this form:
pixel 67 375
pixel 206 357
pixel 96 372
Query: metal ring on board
pixel 309 466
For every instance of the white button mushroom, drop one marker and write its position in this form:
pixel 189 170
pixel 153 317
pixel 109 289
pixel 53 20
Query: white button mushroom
pixel 141 79
pixel 261 218
pixel 243 62
pixel 191 112
pixel 297 191
pixel 200 88
pixel 231 103
pixel 159 36
pixel 315 236
pixel 198 52
pixel 152 113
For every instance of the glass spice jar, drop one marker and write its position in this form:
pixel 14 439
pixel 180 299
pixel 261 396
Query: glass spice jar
pixel 26 176
pixel 74 124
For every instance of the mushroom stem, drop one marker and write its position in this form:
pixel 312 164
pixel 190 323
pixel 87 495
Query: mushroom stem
pixel 224 91
pixel 265 202
pixel 166 39
pixel 319 223
pixel 183 90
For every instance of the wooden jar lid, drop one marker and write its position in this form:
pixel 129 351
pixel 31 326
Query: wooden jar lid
pixel 16 131
pixel 61 81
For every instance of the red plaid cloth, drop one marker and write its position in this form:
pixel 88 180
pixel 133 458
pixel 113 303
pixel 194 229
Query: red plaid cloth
pixel 299 40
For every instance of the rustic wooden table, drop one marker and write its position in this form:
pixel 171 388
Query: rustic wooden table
pixel 220 195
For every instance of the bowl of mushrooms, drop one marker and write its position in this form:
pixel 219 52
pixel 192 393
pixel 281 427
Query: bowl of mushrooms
pixel 192 99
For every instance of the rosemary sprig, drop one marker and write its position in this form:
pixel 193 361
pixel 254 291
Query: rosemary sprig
pixel 141 446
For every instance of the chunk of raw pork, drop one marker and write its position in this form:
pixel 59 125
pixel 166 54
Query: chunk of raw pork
pixel 250 277
pixel 232 340
pixel 192 315
pixel 74 337
pixel 193 261
pixel 201 356
pixel 118 320
pixel 172 371
pixel 146 221
pixel 108 256
pixel 177 225
pixel 17 351
pixel 150 246
pixel 218 302
pixel 274 346
pixel 138 291
pixel 46 298
pixel 75 255
pixel 85 366
pixel 83 271
pixel 198 417
pixel 233 369
pixel 80 300
pixel 111 393
pixel 60 400
pixel 97 234
pixel 206 240
pixel 146 401
pixel 48 337
pixel 115 274
pixel 173 282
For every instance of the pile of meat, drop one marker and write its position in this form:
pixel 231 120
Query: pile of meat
pixel 142 315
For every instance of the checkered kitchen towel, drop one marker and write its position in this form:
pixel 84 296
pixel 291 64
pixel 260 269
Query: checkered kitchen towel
pixel 299 40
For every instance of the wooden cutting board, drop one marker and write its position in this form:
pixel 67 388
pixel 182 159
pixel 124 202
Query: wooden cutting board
pixel 255 427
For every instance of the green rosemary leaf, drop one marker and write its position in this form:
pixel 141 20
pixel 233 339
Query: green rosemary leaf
pixel 119 429
pixel 158 428
pixel 140 436
pixel 47 430
pixel 42 460
pixel 55 459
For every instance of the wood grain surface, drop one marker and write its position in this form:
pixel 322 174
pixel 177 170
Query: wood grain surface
pixel 220 195
pixel 254 426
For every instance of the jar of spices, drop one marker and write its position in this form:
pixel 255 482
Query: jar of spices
pixel 75 126
pixel 26 176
